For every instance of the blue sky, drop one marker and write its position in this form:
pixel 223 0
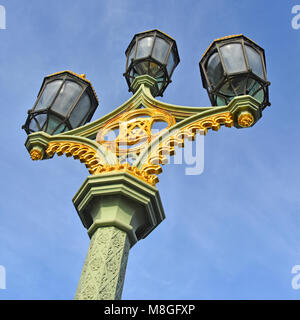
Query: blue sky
pixel 231 232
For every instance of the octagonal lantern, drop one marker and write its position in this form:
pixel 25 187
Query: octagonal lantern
pixel 65 101
pixel 234 66
pixel 153 53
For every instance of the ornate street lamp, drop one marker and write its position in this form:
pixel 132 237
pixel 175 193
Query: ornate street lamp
pixel 65 101
pixel 234 66
pixel 153 53
pixel 119 203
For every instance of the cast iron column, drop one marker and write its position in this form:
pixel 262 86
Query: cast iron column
pixel 118 209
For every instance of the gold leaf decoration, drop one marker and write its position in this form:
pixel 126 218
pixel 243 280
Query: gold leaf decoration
pixel 84 153
pixel 93 161
pixel 134 130
pixel 36 154
pixel 245 119
pixel 158 156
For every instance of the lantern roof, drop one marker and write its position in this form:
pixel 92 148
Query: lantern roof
pixel 157 31
pixel 230 37
pixel 153 30
pixel 80 76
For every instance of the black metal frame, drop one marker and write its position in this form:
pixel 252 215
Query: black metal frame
pixel 64 120
pixel 213 91
pixel 131 66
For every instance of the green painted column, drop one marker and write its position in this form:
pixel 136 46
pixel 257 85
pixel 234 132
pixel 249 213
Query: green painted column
pixel 118 210
pixel 104 269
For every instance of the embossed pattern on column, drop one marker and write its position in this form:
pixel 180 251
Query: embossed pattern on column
pixel 103 273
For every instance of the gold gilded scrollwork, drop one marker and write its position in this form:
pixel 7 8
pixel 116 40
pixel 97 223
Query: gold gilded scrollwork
pixel 158 156
pixel 132 131
pixel 93 161
pixel 84 153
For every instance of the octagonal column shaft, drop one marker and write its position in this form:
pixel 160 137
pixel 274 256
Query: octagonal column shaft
pixel 118 210
pixel 103 273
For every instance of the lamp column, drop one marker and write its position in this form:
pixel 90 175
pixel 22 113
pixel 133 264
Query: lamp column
pixel 118 209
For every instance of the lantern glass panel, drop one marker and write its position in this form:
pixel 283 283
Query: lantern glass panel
pixel 236 86
pixel 131 55
pixel 67 97
pixel 233 57
pixel 48 95
pixel 33 125
pixel 214 69
pixel 160 84
pixel 239 85
pixel 227 89
pixel 170 63
pixel 144 47
pixel 142 67
pixel 80 111
pixel 257 91
pixel 221 101
pixel 131 74
pixel 85 118
pixel 255 62
pixel 260 95
pixel 160 79
pixel 53 125
pixel 160 50
pixel 154 68
pixel 41 119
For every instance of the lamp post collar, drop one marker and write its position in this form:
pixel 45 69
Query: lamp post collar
pixel 145 80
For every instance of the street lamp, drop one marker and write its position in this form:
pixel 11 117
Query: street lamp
pixel 65 101
pixel 234 66
pixel 119 203
pixel 153 53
